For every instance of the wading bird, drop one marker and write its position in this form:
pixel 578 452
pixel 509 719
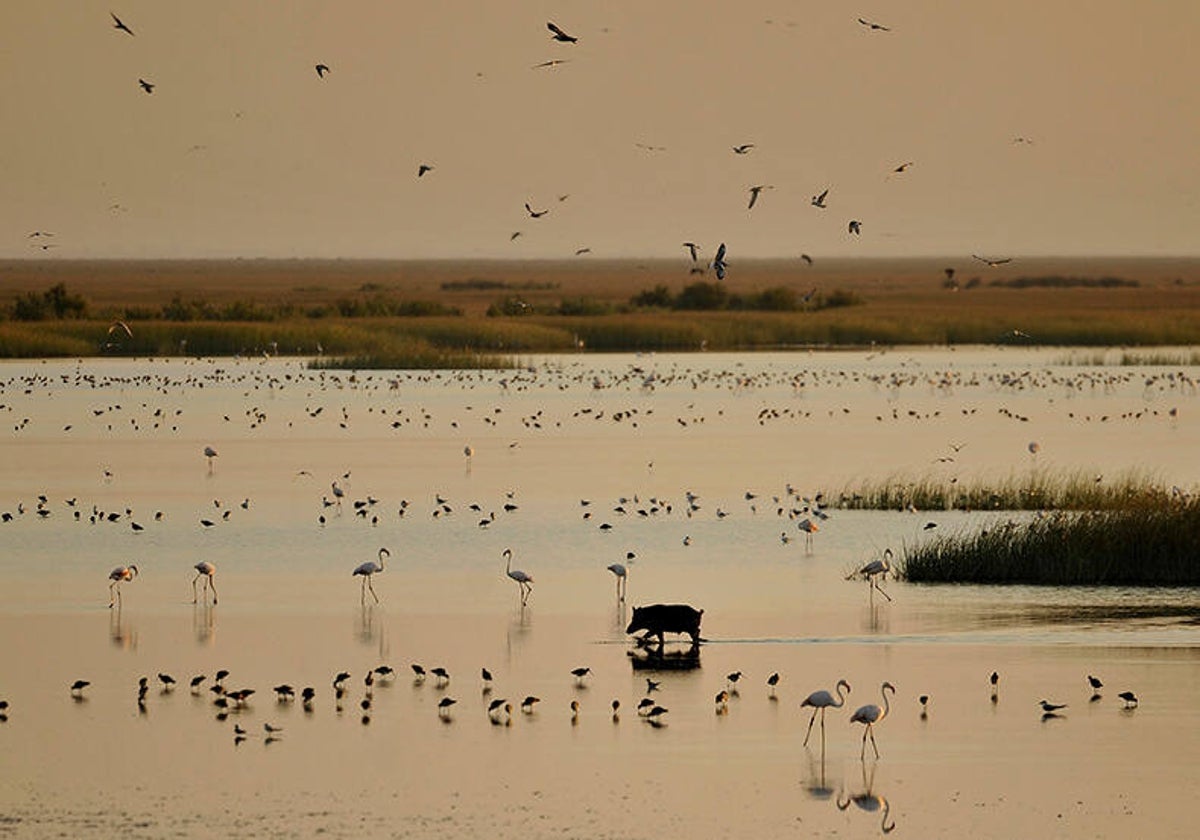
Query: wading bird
pixel 1130 699
pixel 524 581
pixel 117 576
pixel 870 715
pixel 210 453
pixel 820 701
pixel 208 570
pixel 371 568
pixel 809 528
pixel 879 567
pixel 622 575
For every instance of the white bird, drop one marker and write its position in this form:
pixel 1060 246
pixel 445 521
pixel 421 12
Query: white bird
pixel 208 570
pixel 371 568
pixel 117 576
pixel 879 567
pixel 820 701
pixel 524 581
pixel 622 573
pixel 870 715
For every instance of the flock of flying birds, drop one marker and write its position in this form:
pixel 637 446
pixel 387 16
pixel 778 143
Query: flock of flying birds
pixel 559 35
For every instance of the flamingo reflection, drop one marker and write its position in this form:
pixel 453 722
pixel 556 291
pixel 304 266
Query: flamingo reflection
pixel 870 802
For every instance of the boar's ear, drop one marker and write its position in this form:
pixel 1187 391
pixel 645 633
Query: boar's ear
pixel 636 610
pixel 701 612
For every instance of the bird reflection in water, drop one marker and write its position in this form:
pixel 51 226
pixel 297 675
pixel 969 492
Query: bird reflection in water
pixel 204 623
pixel 370 626
pixel 816 786
pixel 869 801
pixel 877 618
pixel 122 633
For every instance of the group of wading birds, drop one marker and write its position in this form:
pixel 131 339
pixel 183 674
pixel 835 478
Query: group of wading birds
pixel 499 710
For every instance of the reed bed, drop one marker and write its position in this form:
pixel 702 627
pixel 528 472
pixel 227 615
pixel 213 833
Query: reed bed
pixel 1145 545
pixel 1033 490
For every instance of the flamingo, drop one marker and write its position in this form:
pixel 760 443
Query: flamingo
pixel 524 581
pixel 870 715
pixel 879 567
pixel 809 528
pixel 118 575
pixel 622 574
pixel 208 570
pixel 370 568
pixel 820 701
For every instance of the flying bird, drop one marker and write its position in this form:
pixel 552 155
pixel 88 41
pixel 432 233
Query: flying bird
pixel 807 259
pixel 535 214
pixel 743 148
pixel 754 191
pixel 423 168
pixel 992 263
pixel 876 27
pixel 902 167
pixel 693 248
pixel 559 35
pixel 819 200
pixel 146 86
pixel 122 327
pixel 118 24
pixel 554 62
pixel 854 227
pixel 718 262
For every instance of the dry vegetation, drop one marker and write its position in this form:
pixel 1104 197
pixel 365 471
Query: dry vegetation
pixel 375 311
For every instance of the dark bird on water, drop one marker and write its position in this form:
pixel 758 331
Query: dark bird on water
pixel 1130 699
pixel 1095 683
pixel 78 686
pixel 559 35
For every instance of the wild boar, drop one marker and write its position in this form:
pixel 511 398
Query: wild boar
pixel 657 619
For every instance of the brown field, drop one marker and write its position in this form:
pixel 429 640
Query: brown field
pixel 903 301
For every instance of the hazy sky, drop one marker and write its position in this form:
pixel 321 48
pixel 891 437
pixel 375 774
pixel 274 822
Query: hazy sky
pixel 242 150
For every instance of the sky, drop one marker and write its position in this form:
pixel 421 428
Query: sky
pixel 1031 128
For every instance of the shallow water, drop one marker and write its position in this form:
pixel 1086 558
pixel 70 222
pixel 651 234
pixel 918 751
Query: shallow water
pixel 649 429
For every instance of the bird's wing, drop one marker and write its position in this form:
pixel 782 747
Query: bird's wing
pixel 551 26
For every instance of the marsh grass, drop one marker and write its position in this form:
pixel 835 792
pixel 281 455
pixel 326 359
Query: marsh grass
pixel 1126 358
pixel 1143 544
pixel 1031 490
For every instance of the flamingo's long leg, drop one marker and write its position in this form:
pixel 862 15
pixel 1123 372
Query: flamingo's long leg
pixel 371 586
pixel 811 721
pixel 213 583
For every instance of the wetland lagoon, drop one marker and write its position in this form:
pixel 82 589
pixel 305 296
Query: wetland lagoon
pixel 701 466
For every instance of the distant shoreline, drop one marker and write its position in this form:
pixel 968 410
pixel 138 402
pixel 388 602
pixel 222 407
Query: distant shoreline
pixel 448 312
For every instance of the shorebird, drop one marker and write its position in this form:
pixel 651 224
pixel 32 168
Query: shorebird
pixel 1130 699
pixel 78 686
pixel 1050 708
pixel 1095 683
pixel 579 674
pixel 559 35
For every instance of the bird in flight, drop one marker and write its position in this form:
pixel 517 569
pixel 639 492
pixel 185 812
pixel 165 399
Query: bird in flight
pixel 718 262
pixel 535 214
pixel 559 35
pixel 754 191
pixel 423 168
pixel 146 86
pixel 118 24
pixel 322 69
pixel 581 251
pixel 992 263
pixel 819 200
pixel 875 27
pixel 554 62
pixel 855 227
pixel 902 167
pixel 37 233
pixel 692 247
pixel 807 259
pixel 743 148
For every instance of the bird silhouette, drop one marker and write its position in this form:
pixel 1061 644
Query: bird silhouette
pixel 990 262
pixel 423 168
pixel 118 24
pixel 876 27
pixel 718 262
pixel 754 191
pixel 321 69
pixel 819 199
pixel 854 227
pixel 535 214
pixel 743 148
pixel 146 86
pixel 559 35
